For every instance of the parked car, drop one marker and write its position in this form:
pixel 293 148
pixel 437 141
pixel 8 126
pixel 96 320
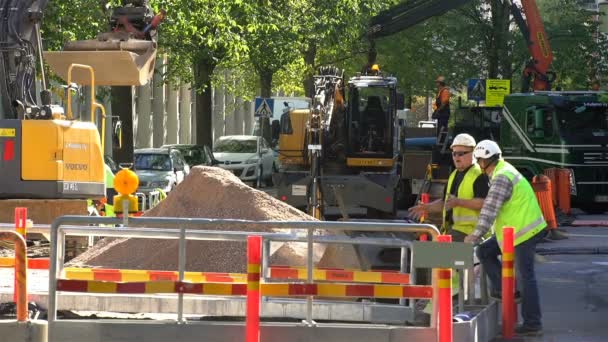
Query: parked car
pixel 247 156
pixel 159 168
pixel 194 154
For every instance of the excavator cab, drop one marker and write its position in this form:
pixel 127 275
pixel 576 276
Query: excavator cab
pixel 371 108
pixel 123 56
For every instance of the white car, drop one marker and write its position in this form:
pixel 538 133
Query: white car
pixel 249 157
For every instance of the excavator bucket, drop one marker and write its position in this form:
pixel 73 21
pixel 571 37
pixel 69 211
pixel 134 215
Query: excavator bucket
pixel 116 63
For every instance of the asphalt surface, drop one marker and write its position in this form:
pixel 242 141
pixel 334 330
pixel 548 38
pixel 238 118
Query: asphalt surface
pixel 574 288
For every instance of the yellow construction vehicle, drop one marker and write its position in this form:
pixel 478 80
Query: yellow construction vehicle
pixel 46 153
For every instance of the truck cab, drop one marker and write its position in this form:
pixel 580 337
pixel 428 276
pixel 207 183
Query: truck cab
pixel 550 129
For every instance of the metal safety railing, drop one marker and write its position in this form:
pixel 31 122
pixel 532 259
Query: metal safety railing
pixel 60 229
pixel 80 226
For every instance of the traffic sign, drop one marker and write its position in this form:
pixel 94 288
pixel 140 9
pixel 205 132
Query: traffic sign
pixel 496 90
pixel 476 90
pixel 263 107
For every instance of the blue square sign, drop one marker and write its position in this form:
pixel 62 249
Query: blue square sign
pixel 263 107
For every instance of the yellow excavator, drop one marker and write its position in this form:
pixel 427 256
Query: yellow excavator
pixel 47 153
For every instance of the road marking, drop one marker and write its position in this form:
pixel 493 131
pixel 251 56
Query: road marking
pixel 589 235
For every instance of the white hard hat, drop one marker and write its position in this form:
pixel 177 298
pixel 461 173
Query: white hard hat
pixel 486 149
pixel 463 139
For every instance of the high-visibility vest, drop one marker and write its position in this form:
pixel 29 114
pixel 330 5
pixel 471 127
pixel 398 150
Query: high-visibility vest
pixel 465 219
pixel 521 211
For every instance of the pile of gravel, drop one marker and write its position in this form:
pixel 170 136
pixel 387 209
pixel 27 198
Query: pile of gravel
pixel 207 192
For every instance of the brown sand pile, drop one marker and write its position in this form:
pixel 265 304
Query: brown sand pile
pixel 207 192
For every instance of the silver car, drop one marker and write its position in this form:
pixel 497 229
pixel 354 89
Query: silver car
pixel 247 156
pixel 159 168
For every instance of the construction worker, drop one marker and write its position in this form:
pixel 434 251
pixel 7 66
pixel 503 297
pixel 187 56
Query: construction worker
pixel 467 187
pixel 441 106
pixel 110 192
pixel 510 202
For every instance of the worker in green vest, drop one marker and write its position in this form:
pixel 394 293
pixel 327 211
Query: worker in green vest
pixel 110 192
pixel 510 202
pixel 466 189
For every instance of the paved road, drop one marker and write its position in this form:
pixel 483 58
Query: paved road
pixel 574 289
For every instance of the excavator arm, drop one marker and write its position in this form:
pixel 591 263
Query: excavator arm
pixel 20 39
pixel 122 56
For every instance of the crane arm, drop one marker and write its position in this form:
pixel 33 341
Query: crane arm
pixel 410 13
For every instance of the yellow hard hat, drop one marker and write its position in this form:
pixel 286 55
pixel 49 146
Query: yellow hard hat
pixel 440 79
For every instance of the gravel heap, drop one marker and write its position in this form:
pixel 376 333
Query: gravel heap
pixel 207 192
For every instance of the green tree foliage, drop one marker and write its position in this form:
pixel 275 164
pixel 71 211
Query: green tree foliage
pixel 272 38
pixel 199 35
pixel 66 20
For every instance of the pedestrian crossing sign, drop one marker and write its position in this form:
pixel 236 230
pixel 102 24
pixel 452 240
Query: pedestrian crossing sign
pixel 263 107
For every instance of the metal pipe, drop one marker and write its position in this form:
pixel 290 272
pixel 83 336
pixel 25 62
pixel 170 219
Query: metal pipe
pixel 265 258
pixel 483 284
pixel 309 276
pixel 181 260
pixel 403 269
pixel 460 291
pixel 125 213
pixel 471 285
pixel 133 45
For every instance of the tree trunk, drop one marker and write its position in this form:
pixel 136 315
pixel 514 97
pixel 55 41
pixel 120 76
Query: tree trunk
pixel 266 92
pixel 309 60
pixel 122 105
pixel 499 60
pixel 202 75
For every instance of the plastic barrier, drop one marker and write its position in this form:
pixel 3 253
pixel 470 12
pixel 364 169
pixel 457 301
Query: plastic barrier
pixel 552 174
pixel 561 180
pixel 20 272
pixel 509 312
pixel 254 269
pixel 542 188
pixel 563 190
pixel 424 199
pixel 354 276
pixel 445 298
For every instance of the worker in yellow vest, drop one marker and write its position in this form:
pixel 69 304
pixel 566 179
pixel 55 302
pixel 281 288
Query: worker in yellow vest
pixel 467 187
pixel 110 192
pixel 510 202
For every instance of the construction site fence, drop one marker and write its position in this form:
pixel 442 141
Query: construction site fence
pixel 81 226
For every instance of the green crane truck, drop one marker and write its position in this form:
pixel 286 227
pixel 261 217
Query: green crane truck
pixel 548 129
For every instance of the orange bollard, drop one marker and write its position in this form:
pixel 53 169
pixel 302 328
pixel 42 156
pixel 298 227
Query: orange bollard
pixel 424 199
pixel 20 272
pixel 552 174
pixel 445 298
pixel 542 188
pixel 563 190
pixel 20 228
pixel 254 268
pixel 509 312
